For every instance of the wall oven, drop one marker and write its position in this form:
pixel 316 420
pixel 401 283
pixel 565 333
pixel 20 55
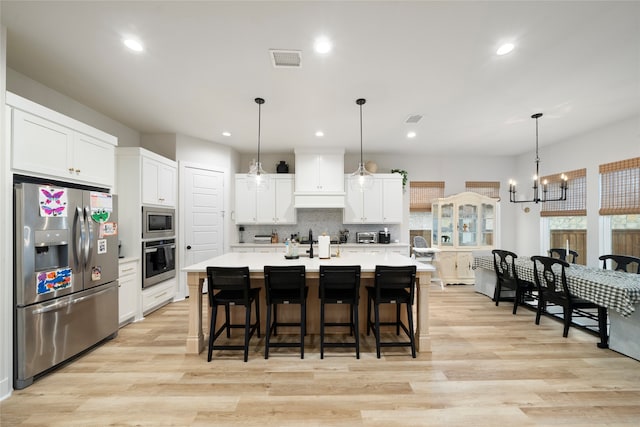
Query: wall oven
pixel 158 222
pixel 158 261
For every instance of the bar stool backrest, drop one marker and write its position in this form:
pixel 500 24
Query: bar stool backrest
pixel 233 281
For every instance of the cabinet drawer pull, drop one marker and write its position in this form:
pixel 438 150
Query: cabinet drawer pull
pixel 77 170
pixel 128 269
pixel 71 170
pixel 161 295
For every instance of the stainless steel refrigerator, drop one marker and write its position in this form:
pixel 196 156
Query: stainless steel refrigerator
pixel 65 275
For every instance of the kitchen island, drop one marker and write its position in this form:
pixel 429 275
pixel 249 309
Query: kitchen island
pixel 196 273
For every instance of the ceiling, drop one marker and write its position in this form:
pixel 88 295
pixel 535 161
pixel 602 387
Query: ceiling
pixel 205 62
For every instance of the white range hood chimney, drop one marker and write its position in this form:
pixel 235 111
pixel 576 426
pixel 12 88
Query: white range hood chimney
pixel 319 178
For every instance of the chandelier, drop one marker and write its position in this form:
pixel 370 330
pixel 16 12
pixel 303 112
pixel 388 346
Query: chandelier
pixel 537 185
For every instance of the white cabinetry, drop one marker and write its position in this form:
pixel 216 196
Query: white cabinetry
pixel 158 182
pixel 137 168
pixel 48 144
pixel 270 206
pixel 463 223
pixel 319 178
pixel 128 286
pixel 158 295
pixel 381 204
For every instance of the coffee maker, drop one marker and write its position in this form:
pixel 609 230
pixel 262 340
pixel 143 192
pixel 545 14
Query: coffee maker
pixel 384 236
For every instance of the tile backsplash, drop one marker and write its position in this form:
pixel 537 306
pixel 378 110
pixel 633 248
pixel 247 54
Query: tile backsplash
pixel 320 221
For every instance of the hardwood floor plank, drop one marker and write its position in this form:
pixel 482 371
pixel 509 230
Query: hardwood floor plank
pixel 487 368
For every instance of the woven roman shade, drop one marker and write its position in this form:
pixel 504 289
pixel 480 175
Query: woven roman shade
pixel 620 187
pixel 422 194
pixel 576 203
pixel 486 188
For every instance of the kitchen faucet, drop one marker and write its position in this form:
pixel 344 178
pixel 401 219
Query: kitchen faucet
pixel 310 251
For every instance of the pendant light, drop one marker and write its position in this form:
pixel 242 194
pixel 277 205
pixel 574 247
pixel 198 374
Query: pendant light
pixel 361 179
pixel 257 178
pixel 536 181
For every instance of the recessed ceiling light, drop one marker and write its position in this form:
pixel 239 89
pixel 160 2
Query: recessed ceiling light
pixel 505 48
pixel 133 45
pixel 319 133
pixel 226 133
pixel 411 135
pixel 322 45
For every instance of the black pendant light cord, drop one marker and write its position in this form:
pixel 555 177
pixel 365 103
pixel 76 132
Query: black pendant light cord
pixel 259 101
pixel 360 102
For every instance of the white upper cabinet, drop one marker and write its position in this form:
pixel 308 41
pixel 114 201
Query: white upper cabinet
pixel 319 179
pixel 270 206
pixel 158 182
pixel 381 204
pixel 48 144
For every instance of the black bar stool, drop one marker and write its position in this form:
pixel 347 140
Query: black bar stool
pixel 392 285
pixel 285 285
pixel 231 286
pixel 340 284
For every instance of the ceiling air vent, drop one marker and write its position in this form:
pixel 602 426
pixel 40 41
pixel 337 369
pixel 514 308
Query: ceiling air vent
pixel 414 119
pixel 282 58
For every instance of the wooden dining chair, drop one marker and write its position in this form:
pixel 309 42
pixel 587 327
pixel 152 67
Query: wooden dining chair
pixel 551 281
pixel 622 263
pixel 561 253
pixel 504 265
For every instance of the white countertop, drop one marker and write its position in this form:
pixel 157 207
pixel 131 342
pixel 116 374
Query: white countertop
pixel 342 245
pixel 257 261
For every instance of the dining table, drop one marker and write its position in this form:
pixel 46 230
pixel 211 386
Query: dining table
pixel 617 291
pixel 196 274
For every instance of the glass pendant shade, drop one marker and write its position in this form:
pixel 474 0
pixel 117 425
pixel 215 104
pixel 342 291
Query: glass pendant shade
pixel 361 179
pixel 257 178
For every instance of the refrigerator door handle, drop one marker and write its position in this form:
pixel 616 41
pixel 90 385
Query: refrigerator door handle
pixel 88 244
pixel 53 306
pixel 78 226
pixel 93 295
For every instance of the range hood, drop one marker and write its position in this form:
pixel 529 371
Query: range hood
pixel 324 200
pixel 319 179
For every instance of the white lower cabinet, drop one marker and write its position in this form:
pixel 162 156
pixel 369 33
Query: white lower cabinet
pixel 128 286
pixel 457 267
pixel 158 295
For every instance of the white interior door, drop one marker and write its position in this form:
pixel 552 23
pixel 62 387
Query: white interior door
pixel 203 214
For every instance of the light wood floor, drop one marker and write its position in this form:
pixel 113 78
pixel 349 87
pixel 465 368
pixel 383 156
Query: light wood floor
pixel 487 367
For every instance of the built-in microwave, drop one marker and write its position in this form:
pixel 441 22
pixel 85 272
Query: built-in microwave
pixel 158 222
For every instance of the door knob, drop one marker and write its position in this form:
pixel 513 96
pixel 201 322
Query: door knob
pixel 188 247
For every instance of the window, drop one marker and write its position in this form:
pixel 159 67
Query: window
pixel 576 203
pixel 566 221
pixel 422 193
pixel 486 188
pixel 620 207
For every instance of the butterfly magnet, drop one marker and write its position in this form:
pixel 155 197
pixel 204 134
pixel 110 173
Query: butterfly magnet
pixel 52 201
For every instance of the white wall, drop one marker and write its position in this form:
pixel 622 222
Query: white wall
pixel 6 238
pixel 614 142
pixel 163 144
pixel 39 93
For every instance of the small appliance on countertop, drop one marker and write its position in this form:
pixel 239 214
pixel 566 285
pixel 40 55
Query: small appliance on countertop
pixel 262 238
pixel 384 236
pixel 366 237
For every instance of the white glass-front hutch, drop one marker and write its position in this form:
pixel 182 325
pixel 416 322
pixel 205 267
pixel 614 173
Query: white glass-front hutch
pixel 463 223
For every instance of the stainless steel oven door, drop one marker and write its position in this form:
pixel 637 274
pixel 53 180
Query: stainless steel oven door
pixel 158 222
pixel 158 261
